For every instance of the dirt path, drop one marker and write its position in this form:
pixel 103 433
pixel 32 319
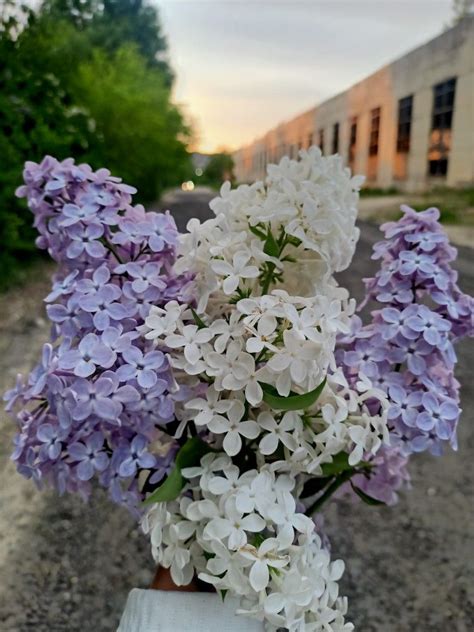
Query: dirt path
pixel 66 566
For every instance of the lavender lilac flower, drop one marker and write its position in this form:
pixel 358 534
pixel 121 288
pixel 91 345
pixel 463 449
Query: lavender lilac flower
pixel 101 395
pixel 407 348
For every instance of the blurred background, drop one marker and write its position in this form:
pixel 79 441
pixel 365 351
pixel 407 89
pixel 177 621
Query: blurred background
pixel 176 96
pixel 190 92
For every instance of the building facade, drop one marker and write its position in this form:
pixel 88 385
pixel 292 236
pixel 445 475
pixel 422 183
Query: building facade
pixel 409 125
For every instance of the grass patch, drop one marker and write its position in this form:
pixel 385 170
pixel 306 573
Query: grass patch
pixel 456 205
pixel 378 192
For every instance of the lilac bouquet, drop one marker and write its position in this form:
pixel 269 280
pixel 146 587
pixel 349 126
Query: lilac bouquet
pixel 221 384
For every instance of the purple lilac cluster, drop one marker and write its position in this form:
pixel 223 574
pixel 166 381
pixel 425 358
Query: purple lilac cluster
pixel 101 394
pixel 388 476
pixel 407 349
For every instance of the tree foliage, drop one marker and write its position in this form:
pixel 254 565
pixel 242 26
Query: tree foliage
pixel 110 23
pixel 137 126
pixel 461 9
pixel 86 79
pixel 219 168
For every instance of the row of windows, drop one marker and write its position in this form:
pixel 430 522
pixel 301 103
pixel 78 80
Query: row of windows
pixel 441 123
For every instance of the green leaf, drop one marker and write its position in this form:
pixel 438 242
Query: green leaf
pixel 292 401
pixel 365 497
pixel 259 233
pixel 294 241
pixel 198 320
pixel 340 463
pixel 271 248
pixel 257 539
pixel 169 490
pixel 189 454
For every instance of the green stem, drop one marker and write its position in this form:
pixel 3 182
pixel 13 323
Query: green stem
pixel 337 482
pixel 282 243
pixel 261 356
pixel 268 280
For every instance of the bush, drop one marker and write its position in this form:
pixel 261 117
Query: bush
pixel 67 90
pixel 36 117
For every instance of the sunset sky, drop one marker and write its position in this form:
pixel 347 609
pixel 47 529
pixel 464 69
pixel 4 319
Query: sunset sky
pixel 244 66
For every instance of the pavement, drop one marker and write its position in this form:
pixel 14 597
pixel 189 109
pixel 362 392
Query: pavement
pixel 66 566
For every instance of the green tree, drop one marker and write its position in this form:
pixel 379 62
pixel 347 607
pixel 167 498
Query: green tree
pixel 140 132
pixel 64 94
pixel 461 9
pixel 36 117
pixel 219 168
pixel 111 23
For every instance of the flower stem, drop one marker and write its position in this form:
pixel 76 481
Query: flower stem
pixel 111 249
pixel 282 243
pixel 268 279
pixel 337 482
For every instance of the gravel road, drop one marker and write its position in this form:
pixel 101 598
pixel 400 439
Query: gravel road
pixel 67 566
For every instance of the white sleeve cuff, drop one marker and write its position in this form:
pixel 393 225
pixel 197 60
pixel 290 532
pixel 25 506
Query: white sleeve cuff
pixel 161 611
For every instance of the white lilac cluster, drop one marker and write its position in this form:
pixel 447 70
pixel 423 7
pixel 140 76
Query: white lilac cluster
pixel 256 357
pixel 309 205
pixel 265 375
pixel 248 538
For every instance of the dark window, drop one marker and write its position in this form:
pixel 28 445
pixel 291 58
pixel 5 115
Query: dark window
pixel 352 139
pixel 310 139
pixel 443 104
pixel 441 123
pixel 335 138
pixel 321 140
pixel 374 132
pixel 438 167
pixel 405 109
